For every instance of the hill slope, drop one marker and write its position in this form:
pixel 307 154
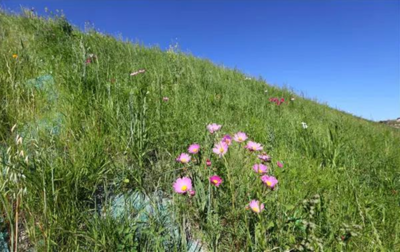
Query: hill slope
pixel 91 131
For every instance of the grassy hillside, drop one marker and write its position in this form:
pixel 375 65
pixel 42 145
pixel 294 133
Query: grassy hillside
pixel 86 131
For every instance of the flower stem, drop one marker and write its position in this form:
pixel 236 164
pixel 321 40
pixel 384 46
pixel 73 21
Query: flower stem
pixel 209 196
pixel 230 183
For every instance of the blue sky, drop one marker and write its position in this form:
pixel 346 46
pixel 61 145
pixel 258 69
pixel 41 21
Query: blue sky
pixel 343 53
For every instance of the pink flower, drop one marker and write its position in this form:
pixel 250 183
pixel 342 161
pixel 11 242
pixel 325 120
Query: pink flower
pixel 138 72
pixel 255 206
pixel 215 180
pixel 213 127
pixel 278 101
pixel 184 158
pixel 227 139
pixel 220 149
pixel 165 99
pixel 182 185
pixel 192 193
pixel 240 137
pixel 252 146
pixel 208 162
pixel 264 157
pixel 279 164
pixel 270 181
pixel 260 168
pixel 194 148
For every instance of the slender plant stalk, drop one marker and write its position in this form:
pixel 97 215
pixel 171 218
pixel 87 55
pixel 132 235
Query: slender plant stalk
pixel 16 224
pixel 230 182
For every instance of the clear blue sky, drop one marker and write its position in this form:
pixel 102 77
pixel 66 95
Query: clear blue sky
pixel 344 53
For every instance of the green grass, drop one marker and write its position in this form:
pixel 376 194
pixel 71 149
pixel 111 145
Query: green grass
pixel 339 188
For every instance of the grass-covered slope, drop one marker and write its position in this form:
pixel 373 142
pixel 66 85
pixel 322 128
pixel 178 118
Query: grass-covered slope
pixel 90 131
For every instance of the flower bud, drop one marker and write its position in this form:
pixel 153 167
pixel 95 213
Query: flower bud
pixel 192 193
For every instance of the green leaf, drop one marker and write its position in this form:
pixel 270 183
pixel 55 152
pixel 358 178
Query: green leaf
pixel 271 224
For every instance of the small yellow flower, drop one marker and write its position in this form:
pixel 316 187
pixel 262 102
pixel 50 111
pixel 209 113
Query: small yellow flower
pixel 15 56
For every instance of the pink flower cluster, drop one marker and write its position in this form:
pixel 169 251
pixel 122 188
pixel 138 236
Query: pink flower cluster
pixel 262 169
pixel 184 185
pixel 221 147
pixel 276 100
pixel 269 181
pixel 185 158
